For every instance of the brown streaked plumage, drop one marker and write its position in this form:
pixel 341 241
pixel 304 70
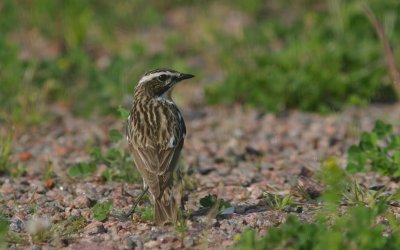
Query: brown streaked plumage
pixel 155 133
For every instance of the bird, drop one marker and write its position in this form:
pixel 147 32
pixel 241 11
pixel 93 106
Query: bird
pixel 155 133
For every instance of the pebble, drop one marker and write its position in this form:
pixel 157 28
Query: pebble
pixel 132 243
pixel 188 241
pixel 82 202
pixel 95 228
pixel 38 225
pixel 16 225
pixel 151 244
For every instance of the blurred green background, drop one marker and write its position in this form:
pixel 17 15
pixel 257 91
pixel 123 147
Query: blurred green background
pixel 86 56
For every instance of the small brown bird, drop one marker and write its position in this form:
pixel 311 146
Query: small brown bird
pixel 155 133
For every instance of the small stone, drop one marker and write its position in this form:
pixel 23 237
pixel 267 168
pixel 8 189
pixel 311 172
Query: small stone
pixel 82 202
pixel 76 212
pixel 16 225
pixel 95 228
pixel 305 172
pixel 38 186
pixel 151 244
pixel 132 243
pixel 56 218
pixel 36 247
pixel 38 225
pixel 311 188
pixel 188 242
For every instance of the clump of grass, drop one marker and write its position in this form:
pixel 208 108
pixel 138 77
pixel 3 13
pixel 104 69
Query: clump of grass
pixel 101 210
pixel 308 64
pixel 68 229
pixel 6 153
pixel 278 202
pixel 7 164
pixel 146 213
pixel 181 224
pixel 4 225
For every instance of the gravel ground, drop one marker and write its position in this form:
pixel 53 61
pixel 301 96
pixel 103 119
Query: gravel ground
pixel 233 152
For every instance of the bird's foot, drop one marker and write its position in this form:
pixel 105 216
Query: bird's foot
pixel 124 216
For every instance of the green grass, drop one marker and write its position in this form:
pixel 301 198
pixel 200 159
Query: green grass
pixel 322 61
pixel 6 151
pixel 146 213
pixel 101 210
pixel 83 38
pixel 4 225
pixel 87 56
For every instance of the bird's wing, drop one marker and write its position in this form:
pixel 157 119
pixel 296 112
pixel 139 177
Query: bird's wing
pixel 157 165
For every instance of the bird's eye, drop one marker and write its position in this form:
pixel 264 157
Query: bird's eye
pixel 163 78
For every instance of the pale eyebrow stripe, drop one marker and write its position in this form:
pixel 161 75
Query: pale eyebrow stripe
pixel 154 75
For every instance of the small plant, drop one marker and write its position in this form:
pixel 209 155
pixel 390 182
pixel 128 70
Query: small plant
pixel 181 224
pixel 210 201
pixel 101 210
pixel 123 113
pixel 378 151
pixel 69 227
pixel 6 153
pixel 82 169
pixel 7 164
pixel 48 172
pixel 278 202
pixel 4 225
pixel 336 181
pixel 146 213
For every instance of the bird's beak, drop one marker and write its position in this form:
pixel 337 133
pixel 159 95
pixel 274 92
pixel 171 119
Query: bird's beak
pixel 184 76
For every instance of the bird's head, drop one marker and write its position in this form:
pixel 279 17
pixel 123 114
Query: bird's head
pixel 157 82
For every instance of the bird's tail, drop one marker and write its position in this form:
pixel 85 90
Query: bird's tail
pixel 165 207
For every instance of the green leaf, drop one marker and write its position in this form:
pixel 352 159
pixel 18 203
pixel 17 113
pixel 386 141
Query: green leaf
pixel 4 224
pixel 82 169
pixel 396 158
pixel 123 113
pixel 356 160
pixel 208 201
pixel 382 129
pixel 224 204
pixel 368 141
pixel 247 240
pixel 394 143
pixel 101 210
pixel 211 200
pixel 96 154
pixel 115 135
pixel 114 154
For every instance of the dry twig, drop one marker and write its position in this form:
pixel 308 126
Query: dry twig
pixel 389 55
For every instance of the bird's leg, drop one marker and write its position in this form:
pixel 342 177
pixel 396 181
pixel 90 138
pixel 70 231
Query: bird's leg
pixel 125 216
